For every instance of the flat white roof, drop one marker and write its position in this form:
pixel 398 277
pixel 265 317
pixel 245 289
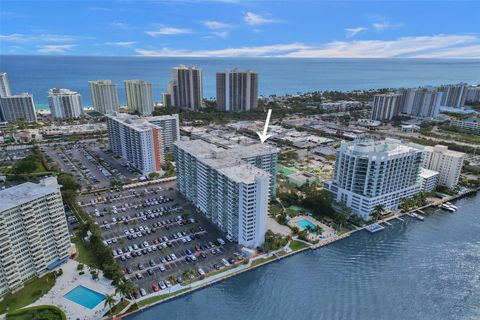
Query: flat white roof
pixel 26 192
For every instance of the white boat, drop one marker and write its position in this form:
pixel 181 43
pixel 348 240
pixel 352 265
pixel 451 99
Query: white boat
pixel 417 216
pixel 451 205
pixel 447 207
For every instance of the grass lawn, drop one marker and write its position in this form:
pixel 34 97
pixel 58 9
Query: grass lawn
pixel 159 298
pixel 297 245
pixel 32 290
pixel 118 307
pixel 38 312
pixel 85 255
pixel 262 261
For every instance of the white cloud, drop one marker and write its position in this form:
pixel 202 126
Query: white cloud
pixel 352 32
pixel 121 43
pixel 261 51
pixel 168 31
pixel 215 25
pixel 221 34
pixel 384 25
pixel 19 37
pixel 120 25
pixel 55 48
pixel 254 19
pixel 401 47
pixel 447 46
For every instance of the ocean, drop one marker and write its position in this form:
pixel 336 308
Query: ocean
pixel 411 270
pixel 279 76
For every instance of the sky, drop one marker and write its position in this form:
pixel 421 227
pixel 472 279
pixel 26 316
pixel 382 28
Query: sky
pixel 236 28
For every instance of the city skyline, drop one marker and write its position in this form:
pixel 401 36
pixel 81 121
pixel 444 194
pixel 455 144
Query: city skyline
pixel 242 29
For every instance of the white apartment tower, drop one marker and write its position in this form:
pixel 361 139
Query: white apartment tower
pixel 385 106
pixel 33 232
pixel 454 95
pixel 370 173
pixel 104 96
pixel 139 96
pixel 237 90
pixel 137 141
pixel 186 88
pixel 230 192
pixel 447 162
pixel 65 103
pixel 170 129
pixel 17 107
pixel 4 87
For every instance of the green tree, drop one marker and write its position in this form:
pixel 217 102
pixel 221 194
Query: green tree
pixel 109 302
pixel 377 212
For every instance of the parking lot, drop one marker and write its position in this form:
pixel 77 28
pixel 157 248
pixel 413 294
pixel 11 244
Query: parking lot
pixel 156 236
pixel 91 166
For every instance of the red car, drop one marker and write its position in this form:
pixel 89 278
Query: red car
pixel 155 287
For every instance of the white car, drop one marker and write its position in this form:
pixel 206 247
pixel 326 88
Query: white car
pixel 201 272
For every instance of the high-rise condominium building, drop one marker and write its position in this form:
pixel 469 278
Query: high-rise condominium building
pixel 167 99
pixel 473 94
pixel 232 193
pixel 420 102
pixel 447 162
pixel 65 103
pixel 33 232
pixel 170 129
pixel 385 106
pixel 17 107
pixel 4 87
pixel 237 90
pixel 104 96
pixel 139 96
pixel 454 95
pixel 137 141
pixel 186 88
pixel 429 179
pixel 370 173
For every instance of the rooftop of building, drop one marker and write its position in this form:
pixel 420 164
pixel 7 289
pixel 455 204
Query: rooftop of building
pixel 427 173
pixel 444 150
pixel 244 173
pixel 132 121
pixel 389 147
pixel 26 192
pixel 163 117
pixel 227 161
pixel 61 92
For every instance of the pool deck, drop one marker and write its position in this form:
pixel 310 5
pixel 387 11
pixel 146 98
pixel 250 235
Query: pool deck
pixel 68 281
pixel 327 231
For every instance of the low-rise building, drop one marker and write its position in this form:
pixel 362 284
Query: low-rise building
pixel 33 232
pixel 470 124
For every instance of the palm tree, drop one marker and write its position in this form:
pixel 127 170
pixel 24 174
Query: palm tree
pixel 172 280
pixel 318 230
pixel 125 288
pixel 189 274
pixel 377 212
pixel 109 301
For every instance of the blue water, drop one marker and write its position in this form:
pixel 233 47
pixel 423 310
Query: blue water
pixel 37 74
pixel 85 297
pixel 412 270
pixel 305 223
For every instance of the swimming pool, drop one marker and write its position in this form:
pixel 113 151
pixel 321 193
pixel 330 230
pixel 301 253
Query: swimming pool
pixel 305 223
pixel 85 297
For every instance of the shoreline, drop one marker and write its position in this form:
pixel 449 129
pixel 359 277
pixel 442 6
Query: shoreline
pixel 275 257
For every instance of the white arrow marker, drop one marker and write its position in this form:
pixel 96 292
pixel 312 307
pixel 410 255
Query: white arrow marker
pixel 263 136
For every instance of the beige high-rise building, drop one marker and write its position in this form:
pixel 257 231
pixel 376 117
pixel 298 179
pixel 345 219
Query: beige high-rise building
pixel 104 96
pixel 186 88
pixel 447 162
pixel 139 96
pixel 33 232
pixel 237 90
